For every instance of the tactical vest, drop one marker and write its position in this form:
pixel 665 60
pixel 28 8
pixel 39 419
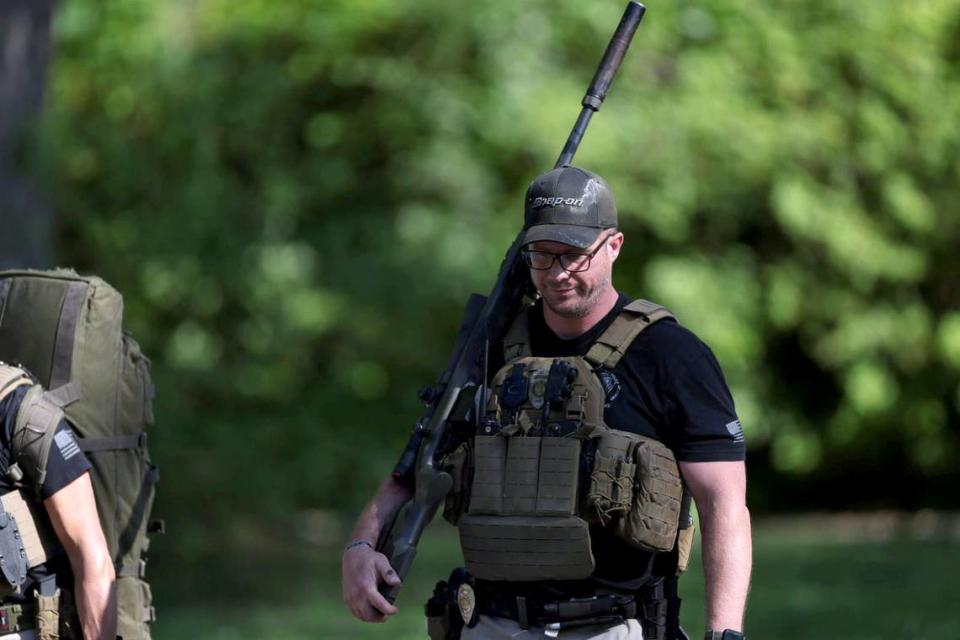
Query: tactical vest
pixel 67 330
pixel 543 466
pixel 25 537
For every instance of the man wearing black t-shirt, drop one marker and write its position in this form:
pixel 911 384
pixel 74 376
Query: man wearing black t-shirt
pixel 82 566
pixel 667 386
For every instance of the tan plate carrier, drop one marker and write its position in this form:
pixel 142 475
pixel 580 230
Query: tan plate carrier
pixel 517 500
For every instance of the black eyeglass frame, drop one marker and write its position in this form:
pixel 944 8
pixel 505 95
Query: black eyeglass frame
pixel 528 260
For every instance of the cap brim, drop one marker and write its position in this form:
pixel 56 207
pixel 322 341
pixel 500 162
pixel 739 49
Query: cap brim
pixel 573 235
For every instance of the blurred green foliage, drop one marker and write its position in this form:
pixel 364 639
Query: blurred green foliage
pixel 296 199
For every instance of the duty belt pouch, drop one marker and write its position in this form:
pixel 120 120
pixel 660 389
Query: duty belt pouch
pixel 521 524
pixel 652 521
pixel 48 616
pixel 612 477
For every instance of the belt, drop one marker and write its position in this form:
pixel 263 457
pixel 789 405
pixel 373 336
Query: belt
pixel 555 615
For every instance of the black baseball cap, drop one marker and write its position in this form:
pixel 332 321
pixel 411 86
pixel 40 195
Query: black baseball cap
pixel 568 205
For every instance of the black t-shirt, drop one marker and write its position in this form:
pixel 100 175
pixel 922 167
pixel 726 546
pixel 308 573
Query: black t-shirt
pixel 670 387
pixel 65 463
pixel 667 386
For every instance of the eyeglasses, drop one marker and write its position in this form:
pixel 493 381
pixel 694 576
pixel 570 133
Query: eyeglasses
pixel 570 262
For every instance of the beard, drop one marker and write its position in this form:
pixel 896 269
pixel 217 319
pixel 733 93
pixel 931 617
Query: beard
pixel 582 304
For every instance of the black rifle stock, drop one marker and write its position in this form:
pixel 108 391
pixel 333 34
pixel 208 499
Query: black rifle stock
pixel 485 322
pixel 465 374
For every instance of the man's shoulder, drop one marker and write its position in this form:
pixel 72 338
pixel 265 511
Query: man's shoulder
pixel 668 341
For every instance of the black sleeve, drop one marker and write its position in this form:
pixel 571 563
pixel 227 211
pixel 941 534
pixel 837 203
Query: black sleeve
pixel 66 461
pixel 701 409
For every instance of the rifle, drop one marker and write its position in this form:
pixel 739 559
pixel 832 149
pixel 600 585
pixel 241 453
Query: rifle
pixel 485 321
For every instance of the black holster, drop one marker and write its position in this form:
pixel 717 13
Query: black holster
pixel 444 621
pixel 659 611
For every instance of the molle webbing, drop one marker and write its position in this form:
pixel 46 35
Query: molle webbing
pixel 521 523
pixel 525 476
pixel 614 342
pixel 653 519
pixel 526 548
pixel 11 379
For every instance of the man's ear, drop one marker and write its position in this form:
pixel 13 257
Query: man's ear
pixel 614 244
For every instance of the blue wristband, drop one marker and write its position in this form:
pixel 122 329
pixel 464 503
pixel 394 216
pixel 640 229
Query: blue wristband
pixel 357 543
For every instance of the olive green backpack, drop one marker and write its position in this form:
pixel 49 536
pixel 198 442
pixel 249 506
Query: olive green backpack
pixel 67 331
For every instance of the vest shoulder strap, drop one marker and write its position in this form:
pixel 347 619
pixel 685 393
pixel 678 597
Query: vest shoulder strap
pixel 37 420
pixel 12 378
pixel 516 342
pixel 632 321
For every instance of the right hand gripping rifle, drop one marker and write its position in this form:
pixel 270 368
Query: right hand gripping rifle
pixel 465 380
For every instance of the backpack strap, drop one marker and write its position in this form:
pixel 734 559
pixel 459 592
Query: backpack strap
pixel 516 342
pixel 632 321
pixel 5 284
pixel 61 370
pixel 11 379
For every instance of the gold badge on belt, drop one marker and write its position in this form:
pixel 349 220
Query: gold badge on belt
pixel 467 603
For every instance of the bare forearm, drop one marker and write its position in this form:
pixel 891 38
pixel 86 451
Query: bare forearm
pixel 361 568
pixel 73 513
pixel 96 598
pixel 389 497
pixel 727 561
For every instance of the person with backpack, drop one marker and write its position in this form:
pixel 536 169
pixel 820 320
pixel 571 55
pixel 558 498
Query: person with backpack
pixel 572 492
pixel 67 330
pixel 51 590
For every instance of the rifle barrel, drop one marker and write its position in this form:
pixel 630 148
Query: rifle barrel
pixel 602 79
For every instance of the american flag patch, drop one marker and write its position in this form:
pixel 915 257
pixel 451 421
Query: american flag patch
pixel 67 443
pixel 736 430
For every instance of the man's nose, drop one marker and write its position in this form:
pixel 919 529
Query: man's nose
pixel 557 272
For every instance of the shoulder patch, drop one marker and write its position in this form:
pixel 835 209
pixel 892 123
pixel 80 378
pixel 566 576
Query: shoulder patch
pixel 67 444
pixel 736 430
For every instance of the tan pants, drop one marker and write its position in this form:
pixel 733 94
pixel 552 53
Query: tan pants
pixel 503 629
